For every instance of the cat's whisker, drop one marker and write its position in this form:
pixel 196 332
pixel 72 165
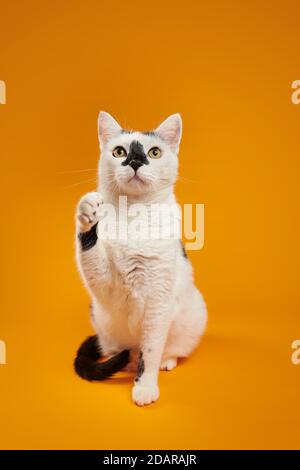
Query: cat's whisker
pixel 65 172
pixel 81 182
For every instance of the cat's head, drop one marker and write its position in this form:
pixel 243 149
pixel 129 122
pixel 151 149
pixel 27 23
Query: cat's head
pixel 136 163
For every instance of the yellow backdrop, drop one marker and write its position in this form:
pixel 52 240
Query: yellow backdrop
pixel 227 66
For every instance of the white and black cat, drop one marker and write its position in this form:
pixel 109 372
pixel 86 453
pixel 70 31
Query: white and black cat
pixel 145 305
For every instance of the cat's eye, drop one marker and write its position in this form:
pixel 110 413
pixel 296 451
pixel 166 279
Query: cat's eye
pixel 119 152
pixel 155 152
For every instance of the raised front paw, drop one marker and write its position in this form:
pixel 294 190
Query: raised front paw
pixel 145 394
pixel 88 210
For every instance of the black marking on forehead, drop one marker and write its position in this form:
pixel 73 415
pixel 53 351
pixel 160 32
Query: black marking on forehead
pixel 149 133
pixel 137 153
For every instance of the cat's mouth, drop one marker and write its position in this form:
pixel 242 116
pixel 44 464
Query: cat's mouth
pixel 136 178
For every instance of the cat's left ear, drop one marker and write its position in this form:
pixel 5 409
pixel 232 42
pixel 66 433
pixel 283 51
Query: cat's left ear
pixel 107 128
pixel 170 131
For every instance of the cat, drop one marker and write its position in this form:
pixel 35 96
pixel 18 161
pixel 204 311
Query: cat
pixel 145 308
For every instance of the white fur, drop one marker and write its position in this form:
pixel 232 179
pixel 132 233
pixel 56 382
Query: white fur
pixel 143 293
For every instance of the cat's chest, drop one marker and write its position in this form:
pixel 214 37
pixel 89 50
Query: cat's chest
pixel 132 272
pixel 131 268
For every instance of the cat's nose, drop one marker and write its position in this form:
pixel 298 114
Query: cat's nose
pixel 135 164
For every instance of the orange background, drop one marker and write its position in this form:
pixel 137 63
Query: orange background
pixel 227 66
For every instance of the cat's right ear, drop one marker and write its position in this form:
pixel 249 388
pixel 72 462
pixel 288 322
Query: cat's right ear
pixel 170 130
pixel 107 128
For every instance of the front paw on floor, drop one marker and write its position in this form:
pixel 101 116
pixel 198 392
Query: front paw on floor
pixel 145 394
pixel 168 364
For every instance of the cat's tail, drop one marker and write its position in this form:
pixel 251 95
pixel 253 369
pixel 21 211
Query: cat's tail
pixel 88 368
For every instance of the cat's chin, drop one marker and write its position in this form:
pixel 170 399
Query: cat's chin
pixel 135 185
pixel 137 180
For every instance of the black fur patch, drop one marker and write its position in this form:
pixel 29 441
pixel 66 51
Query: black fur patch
pixel 150 133
pixel 90 348
pixel 88 239
pixel 88 368
pixel 137 154
pixel 183 251
pixel 140 368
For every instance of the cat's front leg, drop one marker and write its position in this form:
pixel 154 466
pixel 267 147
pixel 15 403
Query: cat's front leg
pixel 155 330
pixel 91 254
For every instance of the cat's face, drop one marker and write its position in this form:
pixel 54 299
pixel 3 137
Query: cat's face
pixel 136 163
